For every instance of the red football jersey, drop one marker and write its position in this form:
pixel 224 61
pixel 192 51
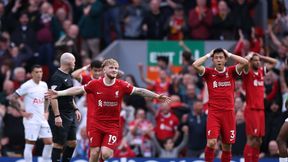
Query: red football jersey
pixel 253 83
pixel 107 101
pixel 166 126
pixel 86 78
pixel 221 87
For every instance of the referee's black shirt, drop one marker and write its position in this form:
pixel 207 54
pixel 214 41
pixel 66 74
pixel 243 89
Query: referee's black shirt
pixel 63 81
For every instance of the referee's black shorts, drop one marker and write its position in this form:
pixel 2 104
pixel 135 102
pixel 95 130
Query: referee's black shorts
pixel 65 133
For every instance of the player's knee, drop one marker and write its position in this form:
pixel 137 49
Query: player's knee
pixel 94 152
pixel 47 141
pixel 72 143
pixel 211 143
pixel 258 142
pixel 279 140
pixel 106 155
pixel 226 147
pixel 57 145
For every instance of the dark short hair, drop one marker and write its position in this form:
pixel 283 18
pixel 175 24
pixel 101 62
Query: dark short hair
pixel 219 50
pixel 166 140
pixel 164 59
pixel 187 55
pixel 23 13
pixel 96 64
pixel 36 66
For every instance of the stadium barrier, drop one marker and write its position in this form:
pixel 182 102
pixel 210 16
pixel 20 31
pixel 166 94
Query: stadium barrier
pixel 7 159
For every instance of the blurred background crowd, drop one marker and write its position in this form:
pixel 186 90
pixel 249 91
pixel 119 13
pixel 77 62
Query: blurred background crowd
pixel 39 31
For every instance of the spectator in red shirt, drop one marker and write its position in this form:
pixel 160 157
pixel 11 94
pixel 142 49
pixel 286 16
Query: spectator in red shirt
pixel 200 21
pixel 124 150
pixel 166 124
pixel 177 24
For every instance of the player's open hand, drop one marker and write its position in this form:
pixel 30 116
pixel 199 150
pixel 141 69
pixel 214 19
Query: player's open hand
pixel 78 115
pixel 164 98
pixel 58 121
pixel 51 94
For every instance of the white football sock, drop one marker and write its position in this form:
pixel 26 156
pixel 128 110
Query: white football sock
pixel 281 159
pixel 28 152
pixel 46 153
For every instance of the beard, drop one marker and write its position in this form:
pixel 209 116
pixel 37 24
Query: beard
pixel 111 76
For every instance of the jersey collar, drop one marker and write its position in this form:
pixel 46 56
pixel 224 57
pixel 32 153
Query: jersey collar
pixel 106 84
pixel 221 71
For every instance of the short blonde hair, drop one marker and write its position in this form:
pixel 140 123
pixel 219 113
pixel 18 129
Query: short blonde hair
pixel 109 62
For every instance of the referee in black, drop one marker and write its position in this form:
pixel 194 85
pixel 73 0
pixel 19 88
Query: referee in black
pixel 63 115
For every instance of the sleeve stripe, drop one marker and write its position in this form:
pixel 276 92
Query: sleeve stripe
pixel 133 89
pixel 83 87
pixel 265 70
pixel 17 93
pixel 203 72
pixel 236 69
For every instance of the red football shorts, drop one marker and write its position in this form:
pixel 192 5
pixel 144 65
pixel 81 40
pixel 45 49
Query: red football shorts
pixel 107 138
pixel 255 122
pixel 221 123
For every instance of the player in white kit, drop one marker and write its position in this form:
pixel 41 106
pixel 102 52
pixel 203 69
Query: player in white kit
pixel 281 140
pixel 35 113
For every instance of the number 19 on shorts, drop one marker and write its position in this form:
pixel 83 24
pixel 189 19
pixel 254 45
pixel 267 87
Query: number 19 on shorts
pixel 112 139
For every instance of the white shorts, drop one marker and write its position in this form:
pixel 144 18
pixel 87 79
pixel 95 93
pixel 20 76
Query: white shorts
pixel 35 131
pixel 286 120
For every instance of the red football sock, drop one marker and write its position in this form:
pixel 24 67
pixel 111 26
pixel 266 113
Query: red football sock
pixel 255 154
pixel 209 154
pixel 226 156
pixel 248 151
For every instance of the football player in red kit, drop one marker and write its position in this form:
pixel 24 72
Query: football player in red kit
pixel 221 84
pixel 108 93
pixel 253 84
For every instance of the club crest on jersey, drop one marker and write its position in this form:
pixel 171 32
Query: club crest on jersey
pixel 100 103
pixel 215 84
pixel 227 75
pixel 117 94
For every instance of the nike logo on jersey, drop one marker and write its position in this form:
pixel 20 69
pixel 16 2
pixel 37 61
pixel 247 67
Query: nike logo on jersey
pixel 98 92
pixel 65 80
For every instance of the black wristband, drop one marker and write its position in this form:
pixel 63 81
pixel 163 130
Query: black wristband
pixel 76 109
pixel 56 116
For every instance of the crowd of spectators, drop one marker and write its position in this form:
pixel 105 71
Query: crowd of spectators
pixel 38 31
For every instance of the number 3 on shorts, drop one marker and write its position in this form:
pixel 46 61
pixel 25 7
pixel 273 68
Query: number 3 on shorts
pixel 112 139
pixel 232 136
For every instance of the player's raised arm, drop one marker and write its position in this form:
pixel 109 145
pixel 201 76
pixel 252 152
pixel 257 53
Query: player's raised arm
pixel 271 61
pixel 52 94
pixel 247 67
pixel 147 93
pixel 242 62
pixel 143 78
pixel 77 73
pixel 197 65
